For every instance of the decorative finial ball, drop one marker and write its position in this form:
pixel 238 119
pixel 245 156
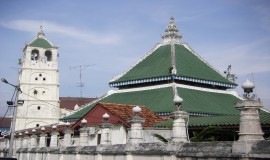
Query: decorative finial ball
pixel 20 134
pixel 248 86
pixel 26 132
pixel 106 115
pixel 137 109
pixel 54 127
pixel 67 124
pixel 84 121
pixel 43 128
pixel 33 130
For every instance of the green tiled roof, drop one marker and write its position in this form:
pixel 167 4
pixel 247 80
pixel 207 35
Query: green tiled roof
pixel 41 42
pixel 189 65
pixel 158 64
pixel 229 120
pixel 160 101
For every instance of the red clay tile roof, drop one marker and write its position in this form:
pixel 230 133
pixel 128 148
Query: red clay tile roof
pixel 124 112
pixel 70 102
pixel 48 129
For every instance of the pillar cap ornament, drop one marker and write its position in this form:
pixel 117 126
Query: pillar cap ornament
pixel 248 90
pixel 106 115
pixel 54 127
pixel 84 121
pixel 34 131
pixel 42 128
pixel 137 110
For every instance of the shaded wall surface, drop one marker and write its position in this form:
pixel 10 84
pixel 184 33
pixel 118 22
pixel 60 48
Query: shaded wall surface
pixel 149 151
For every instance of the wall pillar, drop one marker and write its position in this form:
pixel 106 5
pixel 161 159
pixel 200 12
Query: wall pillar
pixel 250 129
pixel 105 130
pixel 67 135
pixel 54 137
pixel 19 141
pixel 25 140
pixel 179 130
pixel 84 133
pixel 42 138
pixel 33 139
pixel 136 130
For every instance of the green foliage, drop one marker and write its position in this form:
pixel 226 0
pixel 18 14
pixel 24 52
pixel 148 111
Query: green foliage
pixel 203 135
pixel 160 138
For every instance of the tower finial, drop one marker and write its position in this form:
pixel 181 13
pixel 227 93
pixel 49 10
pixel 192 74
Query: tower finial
pixel 172 32
pixel 41 34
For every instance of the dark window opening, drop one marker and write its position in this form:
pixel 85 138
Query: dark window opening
pixel 44 79
pixel 37 125
pixel 98 138
pixel 38 107
pixel 36 78
pixel 48 56
pixel 34 55
pixel 40 75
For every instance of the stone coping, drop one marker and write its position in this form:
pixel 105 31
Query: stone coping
pixel 260 149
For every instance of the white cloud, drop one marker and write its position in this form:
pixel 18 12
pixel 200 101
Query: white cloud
pixel 245 59
pixel 87 36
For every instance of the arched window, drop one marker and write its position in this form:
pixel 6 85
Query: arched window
pixel 34 54
pixel 48 56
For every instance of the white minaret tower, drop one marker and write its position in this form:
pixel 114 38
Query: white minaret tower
pixel 39 82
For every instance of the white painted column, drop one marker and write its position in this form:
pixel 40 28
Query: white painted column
pixel 54 137
pixel 42 138
pixel 84 136
pixel 105 130
pixel 179 130
pixel 67 135
pixel 250 129
pixel 136 130
pixel 19 141
pixel 25 140
pixel 33 139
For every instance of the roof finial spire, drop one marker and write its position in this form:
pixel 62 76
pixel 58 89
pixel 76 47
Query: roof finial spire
pixel 172 33
pixel 41 34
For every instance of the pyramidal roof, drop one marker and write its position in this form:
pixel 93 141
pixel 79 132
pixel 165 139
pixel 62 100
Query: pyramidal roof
pixel 172 60
pixel 169 70
pixel 41 41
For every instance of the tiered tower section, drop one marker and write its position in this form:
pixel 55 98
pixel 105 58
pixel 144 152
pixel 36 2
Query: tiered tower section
pixel 39 82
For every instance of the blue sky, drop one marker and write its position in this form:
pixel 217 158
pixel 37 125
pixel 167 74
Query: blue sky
pixel 114 35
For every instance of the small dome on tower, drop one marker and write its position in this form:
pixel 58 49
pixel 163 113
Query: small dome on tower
pixel 41 41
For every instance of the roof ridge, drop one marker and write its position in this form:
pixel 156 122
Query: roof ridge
pixel 186 45
pixel 88 104
pixel 145 56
